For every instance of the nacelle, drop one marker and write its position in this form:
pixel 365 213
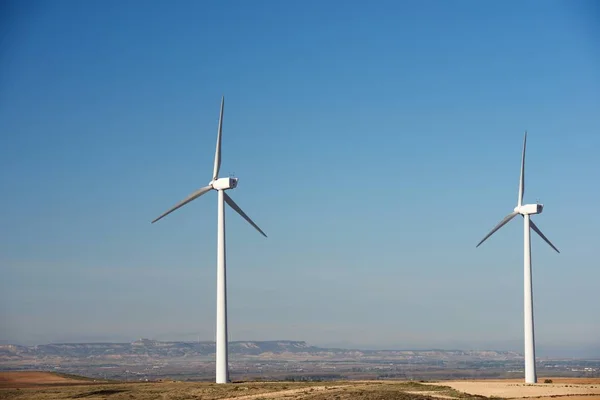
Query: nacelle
pixel 224 183
pixel 528 209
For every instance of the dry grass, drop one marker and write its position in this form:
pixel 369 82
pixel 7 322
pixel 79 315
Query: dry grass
pixel 48 386
pixel 206 391
pixel 46 389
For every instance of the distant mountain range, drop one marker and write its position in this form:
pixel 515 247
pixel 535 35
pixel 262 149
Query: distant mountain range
pixel 264 349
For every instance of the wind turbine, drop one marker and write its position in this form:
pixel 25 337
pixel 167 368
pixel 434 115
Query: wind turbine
pixel 526 210
pixel 220 185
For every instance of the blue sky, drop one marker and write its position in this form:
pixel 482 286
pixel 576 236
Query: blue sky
pixel 376 144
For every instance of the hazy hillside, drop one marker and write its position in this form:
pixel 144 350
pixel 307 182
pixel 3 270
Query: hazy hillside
pixel 274 360
pixel 157 350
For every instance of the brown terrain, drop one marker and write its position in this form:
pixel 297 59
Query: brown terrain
pixel 513 388
pixel 19 379
pixel 47 385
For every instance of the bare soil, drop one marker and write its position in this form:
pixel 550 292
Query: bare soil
pixel 584 381
pixel 15 379
pixel 590 397
pixel 517 389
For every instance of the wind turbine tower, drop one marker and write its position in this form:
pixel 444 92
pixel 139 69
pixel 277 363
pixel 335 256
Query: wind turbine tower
pixel 526 211
pixel 220 185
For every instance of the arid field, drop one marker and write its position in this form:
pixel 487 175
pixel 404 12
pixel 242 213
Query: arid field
pixel 46 385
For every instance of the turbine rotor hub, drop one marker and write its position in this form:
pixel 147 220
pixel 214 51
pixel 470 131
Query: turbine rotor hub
pixel 529 209
pixel 224 183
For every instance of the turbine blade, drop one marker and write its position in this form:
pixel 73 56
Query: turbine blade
pixel 537 230
pixel 522 180
pixel 218 150
pixel 191 197
pixel 500 225
pixel 237 208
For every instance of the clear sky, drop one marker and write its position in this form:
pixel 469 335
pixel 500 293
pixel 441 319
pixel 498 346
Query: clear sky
pixel 376 143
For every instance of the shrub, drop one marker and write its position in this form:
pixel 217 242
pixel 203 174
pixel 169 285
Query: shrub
pixel 547 380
